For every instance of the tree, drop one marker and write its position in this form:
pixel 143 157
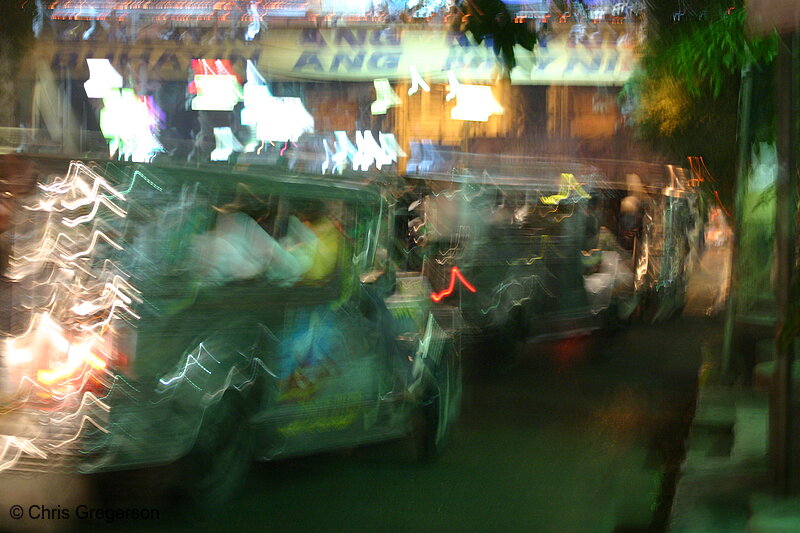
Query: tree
pixel 491 19
pixel 684 99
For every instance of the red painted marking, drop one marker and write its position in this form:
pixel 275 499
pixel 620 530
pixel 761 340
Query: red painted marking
pixel 454 273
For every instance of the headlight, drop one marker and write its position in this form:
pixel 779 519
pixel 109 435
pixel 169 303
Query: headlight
pixel 56 362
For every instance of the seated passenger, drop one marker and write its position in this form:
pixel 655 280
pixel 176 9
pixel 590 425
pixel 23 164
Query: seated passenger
pixel 237 249
pixel 315 242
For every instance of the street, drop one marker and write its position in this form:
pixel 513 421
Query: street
pixel 559 443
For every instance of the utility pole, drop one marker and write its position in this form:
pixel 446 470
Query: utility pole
pixel 784 428
pixel 745 99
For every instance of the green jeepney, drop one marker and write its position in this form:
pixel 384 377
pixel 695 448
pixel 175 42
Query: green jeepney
pixel 213 317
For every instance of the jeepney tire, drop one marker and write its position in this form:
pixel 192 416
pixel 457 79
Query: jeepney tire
pixel 508 341
pixel 438 406
pixel 216 468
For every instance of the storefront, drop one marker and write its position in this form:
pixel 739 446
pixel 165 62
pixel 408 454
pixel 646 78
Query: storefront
pixel 418 82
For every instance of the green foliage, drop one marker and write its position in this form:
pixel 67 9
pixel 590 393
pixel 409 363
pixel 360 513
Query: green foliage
pixel 491 19
pixel 703 52
pixel 707 56
pixel 684 98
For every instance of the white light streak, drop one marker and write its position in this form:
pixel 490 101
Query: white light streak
pixel 417 82
pixel 103 77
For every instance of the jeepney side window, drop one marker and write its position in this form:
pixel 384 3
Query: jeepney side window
pixel 328 222
pixel 510 208
pixel 376 243
pixel 502 208
pixel 285 240
pixel 160 228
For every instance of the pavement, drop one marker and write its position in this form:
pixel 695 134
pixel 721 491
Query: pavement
pixel 725 483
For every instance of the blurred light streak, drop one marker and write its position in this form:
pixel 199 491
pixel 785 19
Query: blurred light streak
pixel 103 78
pixel 191 360
pixel 385 97
pixel 559 217
pixel 642 264
pixel 567 186
pixel 21 446
pixel 226 144
pixel 84 421
pixel 44 340
pixel 87 399
pixel 96 235
pixel 74 180
pixel 526 283
pixel 544 245
pixel 216 86
pixel 450 254
pixel 417 82
pixel 454 274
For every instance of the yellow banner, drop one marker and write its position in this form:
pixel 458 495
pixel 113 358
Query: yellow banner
pixel 598 55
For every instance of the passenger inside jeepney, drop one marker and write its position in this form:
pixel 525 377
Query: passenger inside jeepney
pixel 314 239
pixel 599 240
pixel 240 248
pixel 608 267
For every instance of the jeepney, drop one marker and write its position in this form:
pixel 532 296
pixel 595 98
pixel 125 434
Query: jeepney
pixel 211 317
pixel 515 244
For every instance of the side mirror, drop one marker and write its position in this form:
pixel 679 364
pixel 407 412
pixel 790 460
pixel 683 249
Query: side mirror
pixel 381 277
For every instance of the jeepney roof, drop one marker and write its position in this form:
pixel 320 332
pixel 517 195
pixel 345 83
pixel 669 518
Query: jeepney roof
pixel 514 171
pixel 545 172
pixel 274 179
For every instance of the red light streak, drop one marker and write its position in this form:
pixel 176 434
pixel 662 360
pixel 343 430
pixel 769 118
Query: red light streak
pixel 721 205
pixel 454 273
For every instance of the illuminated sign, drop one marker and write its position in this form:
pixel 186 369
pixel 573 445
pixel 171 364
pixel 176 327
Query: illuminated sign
pixel 385 97
pixel 216 86
pixel 102 78
pixel 274 119
pixel 130 124
pixel 473 102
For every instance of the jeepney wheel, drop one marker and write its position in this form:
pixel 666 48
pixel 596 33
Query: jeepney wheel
pixel 438 407
pixel 507 342
pixel 217 466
